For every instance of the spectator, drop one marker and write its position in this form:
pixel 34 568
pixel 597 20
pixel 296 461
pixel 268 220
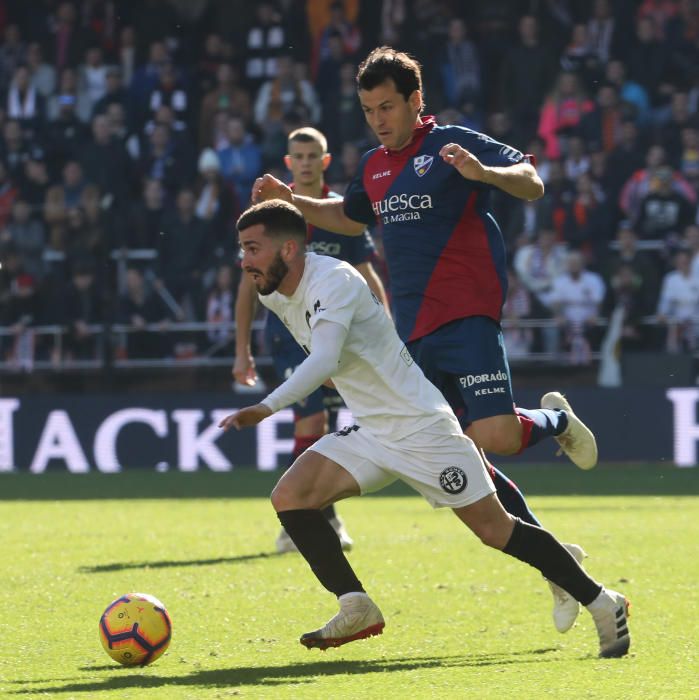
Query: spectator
pixel 105 161
pixel 639 184
pixel 284 93
pixel 145 79
pixel 165 161
pixel 8 195
pixel 663 212
pixel 460 67
pixel 629 291
pixel 561 114
pixel 576 298
pixel 669 130
pixel 630 255
pixel 15 149
pixel 73 183
pixel 66 41
pixel 689 158
pixel 24 103
pixel 577 162
pixel 343 119
pixel 647 58
pixel 35 180
pixel 600 30
pixel 143 224
pixel 220 310
pixel 139 307
pixel 265 40
pixel 579 58
pixel 12 53
pixel 601 127
pixel 93 77
pixel 630 92
pixel 182 253
pixel 517 306
pixel 55 218
pixel 217 203
pixel 21 313
pixel 240 161
pixel 66 135
pixel 68 94
pixel 691 244
pixel 558 199
pixel 526 76
pixel 28 237
pixel 126 54
pixel 82 311
pixel 43 75
pixel 114 93
pixel 678 307
pixel 212 57
pixel 170 92
pixel 340 25
pixel 588 223
pixel 227 98
pixel 623 160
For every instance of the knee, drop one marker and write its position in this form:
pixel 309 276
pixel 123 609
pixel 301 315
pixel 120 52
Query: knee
pixel 286 497
pixel 494 533
pixel 502 438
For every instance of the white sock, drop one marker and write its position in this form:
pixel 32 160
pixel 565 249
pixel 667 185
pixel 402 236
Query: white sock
pixel 600 602
pixel 349 596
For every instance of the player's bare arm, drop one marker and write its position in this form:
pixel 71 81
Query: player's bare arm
pixel 324 213
pixel 245 304
pixel 246 417
pixel 519 180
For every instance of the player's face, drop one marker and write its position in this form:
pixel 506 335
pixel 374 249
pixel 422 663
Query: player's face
pixel 262 259
pixel 391 117
pixel 306 161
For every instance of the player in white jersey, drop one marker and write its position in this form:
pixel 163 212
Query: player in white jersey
pixel 404 430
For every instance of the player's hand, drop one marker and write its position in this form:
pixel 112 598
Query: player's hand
pixel 463 161
pixel 246 417
pixel 269 187
pixel 244 369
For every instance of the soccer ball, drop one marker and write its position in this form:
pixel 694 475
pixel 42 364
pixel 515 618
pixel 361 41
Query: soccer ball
pixel 135 629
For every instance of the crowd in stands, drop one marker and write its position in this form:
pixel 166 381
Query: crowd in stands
pixel 131 134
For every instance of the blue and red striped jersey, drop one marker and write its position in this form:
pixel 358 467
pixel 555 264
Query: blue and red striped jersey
pixel 444 250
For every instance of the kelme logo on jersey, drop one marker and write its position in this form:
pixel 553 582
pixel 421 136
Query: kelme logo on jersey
pixel 422 164
pixel 453 480
pixel 401 207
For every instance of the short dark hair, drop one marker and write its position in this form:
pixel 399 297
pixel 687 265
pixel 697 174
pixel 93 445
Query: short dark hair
pixel 280 219
pixel 307 134
pixel 385 63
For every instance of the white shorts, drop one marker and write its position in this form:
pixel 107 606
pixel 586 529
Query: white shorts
pixel 438 462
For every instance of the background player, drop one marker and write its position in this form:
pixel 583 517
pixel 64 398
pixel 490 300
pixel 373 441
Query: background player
pixel 307 159
pixel 404 429
pixel 430 187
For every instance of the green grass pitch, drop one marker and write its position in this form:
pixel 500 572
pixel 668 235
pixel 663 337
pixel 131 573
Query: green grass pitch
pixel 462 621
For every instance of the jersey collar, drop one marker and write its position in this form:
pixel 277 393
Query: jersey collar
pixel 419 133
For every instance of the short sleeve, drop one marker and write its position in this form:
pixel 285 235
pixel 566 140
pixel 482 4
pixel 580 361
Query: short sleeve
pixel 357 205
pixel 488 151
pixel 360 249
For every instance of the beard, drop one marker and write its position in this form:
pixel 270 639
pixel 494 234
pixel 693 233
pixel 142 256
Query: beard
pixel 273 277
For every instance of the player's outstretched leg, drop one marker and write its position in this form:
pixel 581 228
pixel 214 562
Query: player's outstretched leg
pixel 540 549
pixel 359 617
pixel 565 607
pixel 577 440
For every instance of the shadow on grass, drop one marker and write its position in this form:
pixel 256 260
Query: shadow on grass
pixel 166 564
pixel 293 673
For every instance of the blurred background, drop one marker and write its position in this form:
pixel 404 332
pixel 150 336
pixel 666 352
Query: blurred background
pixel 131 134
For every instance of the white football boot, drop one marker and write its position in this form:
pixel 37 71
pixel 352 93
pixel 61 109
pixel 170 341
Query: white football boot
pixel 359 618
pixel 577 440
pixel 610 611
pixel 565 607
pixel 284 543
pixel 345 540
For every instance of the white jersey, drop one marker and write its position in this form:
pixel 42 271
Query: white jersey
pixel 378 379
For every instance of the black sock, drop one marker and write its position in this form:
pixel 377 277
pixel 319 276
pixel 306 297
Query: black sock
pixel 329 512
pixel 320 547
pixel 540 549
pixel 511 497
